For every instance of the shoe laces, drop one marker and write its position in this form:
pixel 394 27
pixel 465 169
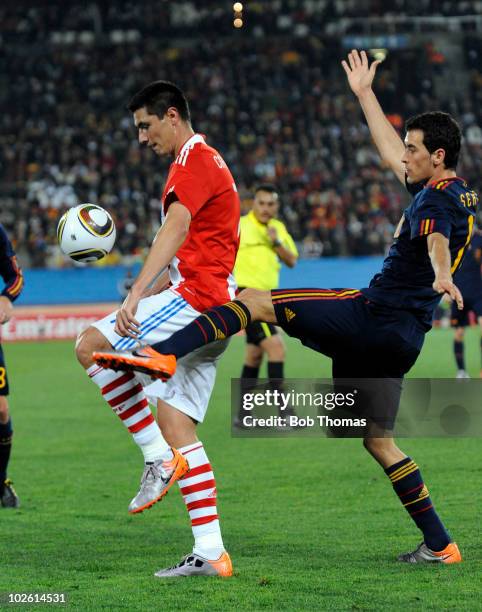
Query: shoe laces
pixel 153 471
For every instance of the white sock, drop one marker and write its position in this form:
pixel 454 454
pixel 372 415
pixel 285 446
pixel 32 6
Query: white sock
pixel 198 489
pixel 127 399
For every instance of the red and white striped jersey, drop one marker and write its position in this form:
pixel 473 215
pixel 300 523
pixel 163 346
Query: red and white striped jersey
pixel 202 269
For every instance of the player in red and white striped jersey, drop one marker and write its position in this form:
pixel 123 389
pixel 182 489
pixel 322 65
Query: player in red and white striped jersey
pixel 197 244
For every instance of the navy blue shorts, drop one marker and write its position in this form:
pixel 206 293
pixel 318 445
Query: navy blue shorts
pixel 3 375
pixel 363 339
pixel 472 303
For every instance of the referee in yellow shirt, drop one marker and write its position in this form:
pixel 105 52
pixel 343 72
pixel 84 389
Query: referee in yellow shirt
pixel 265 244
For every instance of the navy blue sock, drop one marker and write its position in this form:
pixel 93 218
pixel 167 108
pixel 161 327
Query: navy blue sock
pixel 6 434
pixel 413 493
pixel 214 324
pixel 459 354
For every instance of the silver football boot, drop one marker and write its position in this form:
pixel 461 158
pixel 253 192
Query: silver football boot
pixel 157 478
pixel 423 554
pixel 194 565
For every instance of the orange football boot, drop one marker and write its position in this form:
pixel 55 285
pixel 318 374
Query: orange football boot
pixel 423 554
pixel 144 359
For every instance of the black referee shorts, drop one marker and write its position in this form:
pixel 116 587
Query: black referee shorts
pixel 258 331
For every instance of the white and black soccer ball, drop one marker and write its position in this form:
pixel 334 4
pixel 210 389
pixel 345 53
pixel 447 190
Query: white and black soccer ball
pixel 86 233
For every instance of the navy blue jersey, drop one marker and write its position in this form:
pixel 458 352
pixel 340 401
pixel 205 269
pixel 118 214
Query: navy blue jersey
pixel 447 207
pixel 469 277
pixel 9 268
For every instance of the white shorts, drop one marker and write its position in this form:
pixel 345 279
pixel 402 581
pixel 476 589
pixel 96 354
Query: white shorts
pixel 160 316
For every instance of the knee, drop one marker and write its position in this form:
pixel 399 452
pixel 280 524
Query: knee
pixel 248 297
pixel 258 303
pixel 88 341
pixel 254 356
pixel 276 349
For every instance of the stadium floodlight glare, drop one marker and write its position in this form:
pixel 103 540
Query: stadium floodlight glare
pixel 238 23
pixel 237 7
pixel 379 54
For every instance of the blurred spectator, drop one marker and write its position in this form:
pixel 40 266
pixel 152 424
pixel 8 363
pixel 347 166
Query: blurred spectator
pixel 276 104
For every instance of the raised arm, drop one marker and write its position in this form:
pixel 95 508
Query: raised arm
pixel 389 144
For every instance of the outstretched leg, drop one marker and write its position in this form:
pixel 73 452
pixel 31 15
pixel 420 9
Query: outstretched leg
pixel 214 324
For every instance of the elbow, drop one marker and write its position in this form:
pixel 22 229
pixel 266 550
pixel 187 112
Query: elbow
pixel 292 262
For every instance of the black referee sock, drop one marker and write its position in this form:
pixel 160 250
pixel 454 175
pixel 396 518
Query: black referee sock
pixel 249 377
pixel 275 369
pixel 459 354
pixel 413 493
pixel 6 434
pixel 249 372
pixel 275 375
pixel 214 324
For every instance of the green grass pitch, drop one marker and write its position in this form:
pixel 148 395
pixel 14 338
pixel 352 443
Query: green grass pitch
pixel 311 524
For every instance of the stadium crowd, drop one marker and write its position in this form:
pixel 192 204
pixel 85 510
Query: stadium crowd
pixel 277 107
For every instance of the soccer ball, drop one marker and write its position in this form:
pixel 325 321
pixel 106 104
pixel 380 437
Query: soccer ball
pixel 86 233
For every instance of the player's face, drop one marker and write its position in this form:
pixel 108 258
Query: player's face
pixel 265 206
pixel 155 132
pixel 418 161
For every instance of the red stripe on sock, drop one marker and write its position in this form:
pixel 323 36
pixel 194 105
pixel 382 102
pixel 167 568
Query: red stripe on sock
pixel 200 327
pixel 133 409
pixel 422 510
pixel 141 424
pixel 95 372
pixel 192 449
pixel 200 469
pixel 412 490
pixel 117 382
pixel 201 503
pixel 204 519
pixel 200 486
pixel 115 401
pixel 224 323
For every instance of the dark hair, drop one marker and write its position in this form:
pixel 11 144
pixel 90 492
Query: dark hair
pixel 268 187
pixel 440 131
pixel 158 96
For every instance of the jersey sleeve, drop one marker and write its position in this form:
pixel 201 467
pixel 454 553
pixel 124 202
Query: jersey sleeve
pixel 191 187
pixel 433 215
pixel 9 268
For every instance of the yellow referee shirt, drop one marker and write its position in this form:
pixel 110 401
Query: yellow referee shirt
pixel 257 265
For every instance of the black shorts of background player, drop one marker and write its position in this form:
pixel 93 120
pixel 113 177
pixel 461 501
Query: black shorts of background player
pixel 13 278
pixel 469 281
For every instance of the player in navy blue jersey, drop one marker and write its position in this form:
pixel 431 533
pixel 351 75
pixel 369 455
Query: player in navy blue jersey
pixel 469 281
pixel 376 332
pixel 13 278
